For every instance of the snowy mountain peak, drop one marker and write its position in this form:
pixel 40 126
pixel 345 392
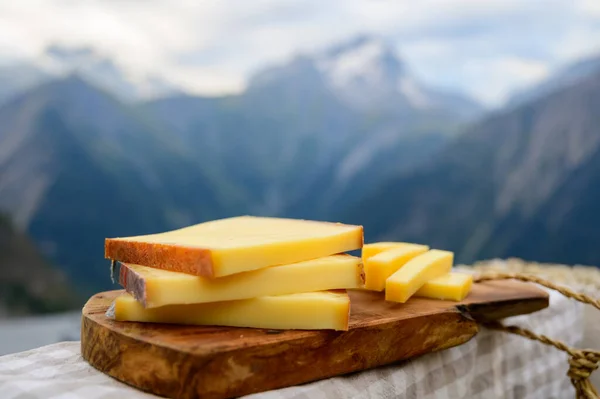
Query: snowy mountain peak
pixel 367 61
pixel 367 72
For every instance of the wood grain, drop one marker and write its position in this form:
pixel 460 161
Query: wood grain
pixel 223 362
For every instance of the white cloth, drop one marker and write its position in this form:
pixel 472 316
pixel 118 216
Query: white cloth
pixel 491 365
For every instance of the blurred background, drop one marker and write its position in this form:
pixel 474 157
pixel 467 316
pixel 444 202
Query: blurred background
pixel 472 126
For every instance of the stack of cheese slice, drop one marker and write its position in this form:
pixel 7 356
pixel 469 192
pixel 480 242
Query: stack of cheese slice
pixel 404 270
pixel 244 271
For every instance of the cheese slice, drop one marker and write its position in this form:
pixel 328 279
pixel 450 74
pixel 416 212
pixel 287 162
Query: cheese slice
pixel 452 286
pixel 416 272
pixel 375 248
pixel 155 287
pixel 382 265
pixel 228 246
pixel 305 311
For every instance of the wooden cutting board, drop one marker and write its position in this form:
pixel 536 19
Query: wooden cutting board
pixel 222 362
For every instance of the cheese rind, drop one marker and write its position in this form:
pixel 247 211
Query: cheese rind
pixel 306 311
pixel 382 265
pixel 452 286
pixel 155 287
pixel 228 246
pixel 370 250
pixel 401 285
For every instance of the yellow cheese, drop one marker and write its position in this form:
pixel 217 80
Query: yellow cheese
pixel 381 266
pixel 373 249
pixel 305 311
pixel 234 245
pixel 452 286
pixel 155 287
pixel 416 272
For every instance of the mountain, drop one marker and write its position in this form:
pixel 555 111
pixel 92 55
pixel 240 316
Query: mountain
pixel 563 77
pixel 523 182
pixel 77 166
pixel 318 132
pixel 367 74
pixel 28 284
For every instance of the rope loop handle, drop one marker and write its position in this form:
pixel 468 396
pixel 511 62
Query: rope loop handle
pixel 582 362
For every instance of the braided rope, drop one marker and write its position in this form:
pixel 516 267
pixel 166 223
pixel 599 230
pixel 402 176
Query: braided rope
pixel 581 362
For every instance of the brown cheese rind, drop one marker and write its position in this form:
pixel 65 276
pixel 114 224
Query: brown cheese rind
pixel 133 283
pixel 190 260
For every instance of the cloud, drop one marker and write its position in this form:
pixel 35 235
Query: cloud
pixel 212 47
pixel 491 52
pixel 140 36
pixel 493 80
pixel 589 7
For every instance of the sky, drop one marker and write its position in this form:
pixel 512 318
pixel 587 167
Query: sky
pixel 486 48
